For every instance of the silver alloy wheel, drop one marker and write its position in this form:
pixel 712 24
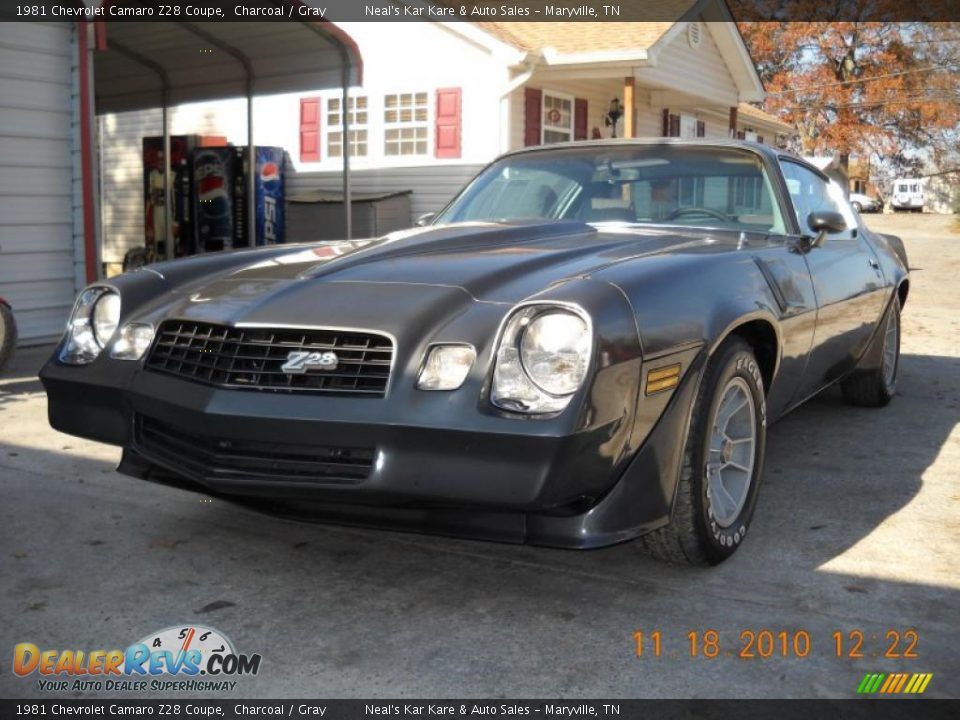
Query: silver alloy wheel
pixel 733 448
pixel 891 343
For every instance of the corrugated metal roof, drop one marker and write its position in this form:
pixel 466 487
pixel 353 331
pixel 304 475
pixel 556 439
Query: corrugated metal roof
pixel 209 61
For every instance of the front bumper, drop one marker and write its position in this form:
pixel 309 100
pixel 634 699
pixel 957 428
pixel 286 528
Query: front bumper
pixel 422 466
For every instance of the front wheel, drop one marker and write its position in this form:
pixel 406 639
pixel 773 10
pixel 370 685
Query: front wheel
pixel 722 463
pixel 857 206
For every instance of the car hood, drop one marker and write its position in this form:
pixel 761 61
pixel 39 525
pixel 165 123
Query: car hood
pixel 498 262
pixel 421 273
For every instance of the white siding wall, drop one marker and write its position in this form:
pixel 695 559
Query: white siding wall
pixel 697 71
pixel 597 93
pixel 433 187
pixel 699 74
pixel 37 262
pixel 430 57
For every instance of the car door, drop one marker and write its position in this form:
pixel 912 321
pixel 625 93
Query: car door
pixel 847 281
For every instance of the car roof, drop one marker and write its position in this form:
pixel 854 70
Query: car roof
pixel 771 152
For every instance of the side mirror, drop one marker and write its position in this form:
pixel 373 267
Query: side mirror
pixel 425 219
pixel 823 222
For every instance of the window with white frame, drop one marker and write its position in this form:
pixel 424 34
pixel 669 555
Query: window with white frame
pixel 557 120
pixel 357 120
pixel 406 119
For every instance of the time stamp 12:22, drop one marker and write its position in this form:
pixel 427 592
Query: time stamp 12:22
pixel 764 643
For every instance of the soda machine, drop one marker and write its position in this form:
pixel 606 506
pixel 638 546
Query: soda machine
pixel 180 191
pixel 221 202
pixel 208 189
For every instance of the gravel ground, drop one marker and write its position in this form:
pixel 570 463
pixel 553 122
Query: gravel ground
pixel 857 528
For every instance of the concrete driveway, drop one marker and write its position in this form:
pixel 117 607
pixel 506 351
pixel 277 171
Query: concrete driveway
pixel 857 528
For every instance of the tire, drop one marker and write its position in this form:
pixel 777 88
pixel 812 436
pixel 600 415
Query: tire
pixel 698 534
pixel 8 334
pixel 857 206
pixel 876 388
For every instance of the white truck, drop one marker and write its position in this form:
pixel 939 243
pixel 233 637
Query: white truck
pixel 907 195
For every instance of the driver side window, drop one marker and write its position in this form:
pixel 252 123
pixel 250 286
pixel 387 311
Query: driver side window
pixel 810 193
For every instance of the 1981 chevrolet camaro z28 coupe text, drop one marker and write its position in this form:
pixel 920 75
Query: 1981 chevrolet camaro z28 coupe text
pixel 586 346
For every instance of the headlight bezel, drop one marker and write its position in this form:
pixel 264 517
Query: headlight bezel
pixel 80 345
pixel 526 396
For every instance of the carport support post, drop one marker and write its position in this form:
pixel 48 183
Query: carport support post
pixel 345 147
pixel 251 170
pixel 167 195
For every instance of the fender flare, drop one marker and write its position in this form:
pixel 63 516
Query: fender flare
pixel 763 315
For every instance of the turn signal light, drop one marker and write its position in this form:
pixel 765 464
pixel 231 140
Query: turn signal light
pixel 664 378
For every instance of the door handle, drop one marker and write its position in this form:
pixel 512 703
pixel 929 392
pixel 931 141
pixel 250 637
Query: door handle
pixel 874 264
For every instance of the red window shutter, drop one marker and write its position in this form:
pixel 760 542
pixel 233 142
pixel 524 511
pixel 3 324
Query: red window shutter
pixel 665 127
pixel 532 112
pixel 701 128
pixel 448 123
pixel 309 129
pixel 740 135
pixel 674 125
pixel 579 119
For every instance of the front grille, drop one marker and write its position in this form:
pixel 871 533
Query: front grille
pixel 251 358
pixel 212 458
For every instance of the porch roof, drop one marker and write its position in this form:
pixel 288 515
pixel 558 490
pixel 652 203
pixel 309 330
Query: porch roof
pixel 746 111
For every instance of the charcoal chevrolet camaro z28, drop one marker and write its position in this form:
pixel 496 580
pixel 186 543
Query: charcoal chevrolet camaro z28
pixel 586 346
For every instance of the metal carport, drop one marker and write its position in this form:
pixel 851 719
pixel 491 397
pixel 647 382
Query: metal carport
pixel 140 65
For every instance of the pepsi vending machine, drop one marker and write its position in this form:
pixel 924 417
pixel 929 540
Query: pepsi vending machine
pixel 181 192
pixel 220 199
pixel 269 187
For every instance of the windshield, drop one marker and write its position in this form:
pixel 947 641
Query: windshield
pixel 634 184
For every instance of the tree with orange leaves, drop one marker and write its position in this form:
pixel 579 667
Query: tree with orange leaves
pixel 884 91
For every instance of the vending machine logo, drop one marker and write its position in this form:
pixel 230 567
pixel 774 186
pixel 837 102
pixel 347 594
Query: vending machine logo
pixel 270 172
pixel 269 199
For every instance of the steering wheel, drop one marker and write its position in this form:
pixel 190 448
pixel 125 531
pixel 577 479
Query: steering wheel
pixel 697 211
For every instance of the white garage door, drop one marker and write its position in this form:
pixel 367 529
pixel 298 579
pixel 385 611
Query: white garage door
pixel 37 269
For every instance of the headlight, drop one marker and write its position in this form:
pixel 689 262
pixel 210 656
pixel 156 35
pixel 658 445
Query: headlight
pixel 134 340
pixel 543 358
pixel 94 320
pixel 106 318
pixel 446 367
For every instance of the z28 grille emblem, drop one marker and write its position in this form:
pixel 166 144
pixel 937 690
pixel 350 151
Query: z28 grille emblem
pixel 299 361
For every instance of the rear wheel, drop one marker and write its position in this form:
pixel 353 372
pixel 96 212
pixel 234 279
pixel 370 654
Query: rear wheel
pixel 8 334
pixel 722 463
pixel 876 388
